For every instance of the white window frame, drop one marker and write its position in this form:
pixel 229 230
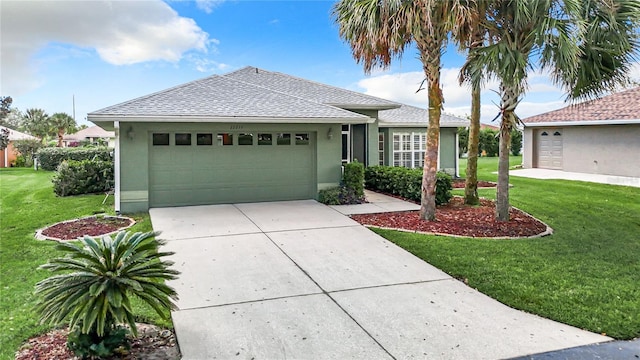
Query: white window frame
pixel 409 149
pixel 380 148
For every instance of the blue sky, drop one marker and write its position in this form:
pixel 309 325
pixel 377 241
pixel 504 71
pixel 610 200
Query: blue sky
pixel 103 53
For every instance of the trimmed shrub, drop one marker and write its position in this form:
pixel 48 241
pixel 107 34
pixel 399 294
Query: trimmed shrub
pixel 353 178
pixel 51 158
pixel 83 177
pixel 339 195
pixel 406 183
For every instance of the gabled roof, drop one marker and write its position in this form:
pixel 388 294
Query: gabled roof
pixel 17 135
pixel 224 99
pixel 310 90
pixel 411 116
pixel 619 108
pixel 90 132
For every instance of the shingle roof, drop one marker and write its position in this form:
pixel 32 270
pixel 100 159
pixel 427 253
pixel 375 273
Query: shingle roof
pixel 17 135
pixel 224 97
pixel 624 105
pixel 310 90
pixel 408 115
pixel 90 132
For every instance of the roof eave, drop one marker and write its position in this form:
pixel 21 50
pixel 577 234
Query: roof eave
pixel 102 118
pixel 420 124
pixel 364 106
pixel 581 123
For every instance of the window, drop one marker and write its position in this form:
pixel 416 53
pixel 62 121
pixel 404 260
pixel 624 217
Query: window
pixel 284 139
pixel 544 133
pixel 346 143
pixel 380 148
pixel 557 133
pixel 408 149
pixel 245 139
pixel 302 139
pixel 265 139
pixel 225 139
pixel 183 139
pixel 160 139
pixel 204 139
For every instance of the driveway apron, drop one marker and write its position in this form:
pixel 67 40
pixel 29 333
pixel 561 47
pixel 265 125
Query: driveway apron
pixel 300 280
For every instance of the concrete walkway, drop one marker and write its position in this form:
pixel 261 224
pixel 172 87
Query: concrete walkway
pixel 299 280
pixel 565 175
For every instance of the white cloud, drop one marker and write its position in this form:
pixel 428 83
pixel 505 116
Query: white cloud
pixel 121 33
pixel 208 5
pixel 401 87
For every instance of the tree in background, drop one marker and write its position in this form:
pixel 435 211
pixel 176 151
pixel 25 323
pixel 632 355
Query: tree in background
pixel 516 142
pixel 36 123
pixel 4 138
pixel 463 140
pixel 587 46
pixel 5 106
pixel 62 123
pixel 378 30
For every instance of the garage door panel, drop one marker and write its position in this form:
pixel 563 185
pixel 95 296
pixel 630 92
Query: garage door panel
pixel 184 175
pixel 550 148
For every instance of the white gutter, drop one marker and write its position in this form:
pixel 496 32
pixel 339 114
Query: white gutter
pixel 116 170
pixel 582 123
pixel 230 119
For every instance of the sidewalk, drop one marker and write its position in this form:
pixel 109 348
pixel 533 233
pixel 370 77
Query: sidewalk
pixel 565 175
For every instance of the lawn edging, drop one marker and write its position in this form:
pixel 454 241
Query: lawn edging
pixel 40 236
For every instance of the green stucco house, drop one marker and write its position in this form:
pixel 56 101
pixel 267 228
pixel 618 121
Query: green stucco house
pixel 253 135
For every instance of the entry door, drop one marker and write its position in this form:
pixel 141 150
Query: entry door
pixel 550 149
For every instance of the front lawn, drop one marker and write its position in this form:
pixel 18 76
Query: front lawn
pixel 27 203
pixel 585 275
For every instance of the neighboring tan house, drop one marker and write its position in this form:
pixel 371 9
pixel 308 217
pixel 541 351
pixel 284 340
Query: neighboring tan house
pixel 601 136
pixel 248 136
pixel 9 155
pixel 93 135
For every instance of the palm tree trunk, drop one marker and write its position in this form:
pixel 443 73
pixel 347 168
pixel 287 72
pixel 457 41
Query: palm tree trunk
pixel 508 105
pixel 471 184
pixel 60 135
pixel 431 64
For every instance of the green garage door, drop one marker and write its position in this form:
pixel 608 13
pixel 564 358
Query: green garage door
pixel 195 168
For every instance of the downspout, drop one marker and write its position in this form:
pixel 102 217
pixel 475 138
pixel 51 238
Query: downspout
pixel 457 161
pixel 116 169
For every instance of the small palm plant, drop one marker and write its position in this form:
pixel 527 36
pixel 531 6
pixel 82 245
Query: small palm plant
pixel 99 279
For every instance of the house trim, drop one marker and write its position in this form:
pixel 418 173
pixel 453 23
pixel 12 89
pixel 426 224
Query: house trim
pixel 228 119
pixel 582 123
pixel 116 172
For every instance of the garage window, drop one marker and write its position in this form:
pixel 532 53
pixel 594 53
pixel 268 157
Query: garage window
pixel 265 139
pixel 245 139
pixel 204 139
pixel 183 139
pixel 302 139
pixel 284 139
pixel 160 139
pixel 225 139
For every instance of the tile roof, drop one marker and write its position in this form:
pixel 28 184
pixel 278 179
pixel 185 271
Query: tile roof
pixel 624 105
pixel 90 132
pixel 408 115
pixel 310 90
pixel 17 135
pixel 224 97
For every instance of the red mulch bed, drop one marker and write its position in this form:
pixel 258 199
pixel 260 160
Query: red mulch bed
pixel 92 226
pixel 456 218
pixel 459 184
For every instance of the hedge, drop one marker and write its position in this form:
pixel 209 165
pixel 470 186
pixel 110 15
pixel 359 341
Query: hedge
pixel 83 177
pixel 406 183
pixel 51 158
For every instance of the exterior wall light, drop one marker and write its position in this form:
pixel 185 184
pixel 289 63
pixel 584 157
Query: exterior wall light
pixel 330 134
pixel 130 133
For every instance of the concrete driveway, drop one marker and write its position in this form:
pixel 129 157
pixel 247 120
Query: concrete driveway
pixel 300 280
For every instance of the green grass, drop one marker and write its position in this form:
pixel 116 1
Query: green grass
pixel 27 203
pixel 586 274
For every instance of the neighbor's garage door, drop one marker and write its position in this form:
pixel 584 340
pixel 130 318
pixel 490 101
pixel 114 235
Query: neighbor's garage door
pixel 550 148
pixel 192 168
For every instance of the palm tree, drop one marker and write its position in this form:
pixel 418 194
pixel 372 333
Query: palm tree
pixel 587 46
pixel 36 122
pixel 470 35
pixel 61 124
pixel 378 31
pixel 100 276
